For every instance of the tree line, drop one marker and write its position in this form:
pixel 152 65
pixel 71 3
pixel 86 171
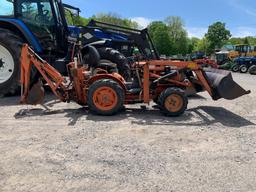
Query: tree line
pixel 171 37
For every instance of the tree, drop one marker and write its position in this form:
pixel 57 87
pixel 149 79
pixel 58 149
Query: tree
pixel 203 45
pixel 159 33
pixel 239 40
pixel 246 41
pixel 252 40
pixel 192 44
pixel 235 41
pixel 115 19
pixel 178 34
pixel 217 35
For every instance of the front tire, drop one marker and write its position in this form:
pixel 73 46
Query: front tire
pixel 10 50
pixel 173 102
pixel 105 97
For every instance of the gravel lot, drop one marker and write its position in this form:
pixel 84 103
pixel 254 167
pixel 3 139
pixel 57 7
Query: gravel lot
pixel 212 147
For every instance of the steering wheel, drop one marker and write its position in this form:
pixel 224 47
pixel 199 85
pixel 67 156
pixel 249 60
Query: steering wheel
pixel 45 12
pixel 44 17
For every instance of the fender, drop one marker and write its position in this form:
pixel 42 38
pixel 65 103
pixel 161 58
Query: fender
pixel 115 77
pixel 16 24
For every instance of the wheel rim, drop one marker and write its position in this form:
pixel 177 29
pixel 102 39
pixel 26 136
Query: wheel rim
pixel 6 64
pixel 235 68
pixel 174 103
pixel 105 98
pixel 243 69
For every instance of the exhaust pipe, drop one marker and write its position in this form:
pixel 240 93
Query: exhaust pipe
pixel 223 85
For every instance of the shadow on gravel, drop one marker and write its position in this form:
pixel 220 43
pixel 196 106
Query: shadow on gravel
pixel 73 115
pixel 9 101
pixel 196 97
pixel 200 116
pixel 49 99
pixel 221 115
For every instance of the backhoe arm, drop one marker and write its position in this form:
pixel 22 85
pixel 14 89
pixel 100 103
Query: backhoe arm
pixel 29 61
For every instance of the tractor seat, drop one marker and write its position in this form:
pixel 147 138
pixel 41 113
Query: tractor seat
pixel 108 66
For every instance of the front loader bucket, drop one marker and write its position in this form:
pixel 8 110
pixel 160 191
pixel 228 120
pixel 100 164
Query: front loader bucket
pixel 223 85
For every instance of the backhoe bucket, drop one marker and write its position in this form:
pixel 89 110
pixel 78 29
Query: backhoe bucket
pixel 36 94
pixel 223 85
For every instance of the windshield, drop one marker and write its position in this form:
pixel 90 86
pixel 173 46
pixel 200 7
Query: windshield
pixel 72 10
pixel 71 14
pixel 38 16
pixel 36 12
pixel 243 48
pixel 6 8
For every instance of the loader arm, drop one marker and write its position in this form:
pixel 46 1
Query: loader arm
pixel 218 83
pixel 182 65
pixel 140 38
pixel 53 78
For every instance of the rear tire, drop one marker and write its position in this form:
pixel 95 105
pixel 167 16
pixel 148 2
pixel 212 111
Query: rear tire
pixel 10 51
pixel 173 102
pixel 118 58
pixel 252 70
pixel 105 97
pixel 243 69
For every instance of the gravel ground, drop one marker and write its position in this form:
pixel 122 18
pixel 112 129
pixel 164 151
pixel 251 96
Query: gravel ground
pixel 212 147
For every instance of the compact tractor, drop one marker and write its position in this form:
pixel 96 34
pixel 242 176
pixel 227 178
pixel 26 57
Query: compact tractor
pixel 42 25
pixel 105 93
pixel 241 64
pixel 126 40
pixel 244 64
pixel 240 58
pixel 134 44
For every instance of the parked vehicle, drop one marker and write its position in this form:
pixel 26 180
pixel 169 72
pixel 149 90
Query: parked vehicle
pixel 42 24
pixel 242 50
pixel 243 64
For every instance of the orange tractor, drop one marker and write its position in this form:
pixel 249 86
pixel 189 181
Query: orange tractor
pixel 164 82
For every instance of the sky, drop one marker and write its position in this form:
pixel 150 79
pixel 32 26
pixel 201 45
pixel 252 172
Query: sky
pixel 239 15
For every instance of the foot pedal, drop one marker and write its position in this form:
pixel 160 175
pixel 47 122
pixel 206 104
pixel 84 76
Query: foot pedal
pixel 135 90
pixel 143 107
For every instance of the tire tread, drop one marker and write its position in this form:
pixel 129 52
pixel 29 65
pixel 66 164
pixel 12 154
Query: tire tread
pixel 117 58
pixel 167 93
pixel 110 83
pixel 14 44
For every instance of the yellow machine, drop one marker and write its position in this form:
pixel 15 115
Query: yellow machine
pixel 243 51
